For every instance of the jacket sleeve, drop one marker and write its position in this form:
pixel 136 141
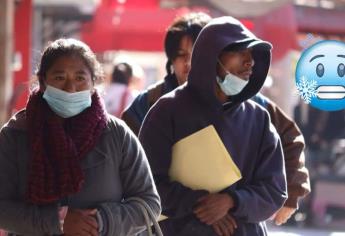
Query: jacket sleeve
pixel 293 145
pixel 15 215
pixel 126 217
pixel 266 193
pixel 135 113
pixel 156 136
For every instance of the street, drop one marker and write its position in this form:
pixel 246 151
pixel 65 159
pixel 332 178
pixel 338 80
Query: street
pixel 294 231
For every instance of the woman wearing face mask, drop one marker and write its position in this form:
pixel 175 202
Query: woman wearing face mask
pixel 178 45
pixel 229 65
pixel 66 166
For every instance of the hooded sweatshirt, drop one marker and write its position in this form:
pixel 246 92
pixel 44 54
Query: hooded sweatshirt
pixel 243 126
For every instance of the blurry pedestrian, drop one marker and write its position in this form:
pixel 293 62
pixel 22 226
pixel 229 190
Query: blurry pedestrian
pixel 138 80
pixel 118 94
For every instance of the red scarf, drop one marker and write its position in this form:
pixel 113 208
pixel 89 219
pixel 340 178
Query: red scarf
pixel 57 146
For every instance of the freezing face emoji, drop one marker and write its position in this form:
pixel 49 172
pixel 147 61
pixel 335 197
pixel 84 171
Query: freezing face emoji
pixel 320 75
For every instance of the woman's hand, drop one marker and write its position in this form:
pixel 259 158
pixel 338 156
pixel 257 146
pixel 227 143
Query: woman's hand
pixel 80 222
pixel 62 215
pixel 283 215
pixel 213 207
pixel 225 226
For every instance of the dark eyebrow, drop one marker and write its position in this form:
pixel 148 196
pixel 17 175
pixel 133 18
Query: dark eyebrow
pixel 343 56
pixel 314 57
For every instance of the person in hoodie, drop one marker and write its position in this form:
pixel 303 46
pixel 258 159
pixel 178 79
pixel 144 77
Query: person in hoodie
pixel 66 165
pixel 178 44
pixel 228 66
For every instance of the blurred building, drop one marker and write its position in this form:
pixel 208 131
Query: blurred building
pixel 113 27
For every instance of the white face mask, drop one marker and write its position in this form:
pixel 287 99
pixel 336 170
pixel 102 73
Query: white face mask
pixel 67 104
pixel 232 84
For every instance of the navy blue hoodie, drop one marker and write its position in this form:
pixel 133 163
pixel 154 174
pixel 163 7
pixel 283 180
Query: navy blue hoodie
pixel 243 126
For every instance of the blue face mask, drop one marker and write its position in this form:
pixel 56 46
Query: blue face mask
pixel 67 104
pixel 232 84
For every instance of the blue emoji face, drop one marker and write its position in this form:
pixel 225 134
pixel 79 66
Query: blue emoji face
pixel 320 75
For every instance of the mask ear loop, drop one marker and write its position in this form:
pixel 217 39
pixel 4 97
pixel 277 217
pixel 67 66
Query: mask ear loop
pixel 221 64
pixel 223 67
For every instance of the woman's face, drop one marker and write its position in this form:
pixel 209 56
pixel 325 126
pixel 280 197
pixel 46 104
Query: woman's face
pixel 239 63
pixel 70 74
pixel 181 64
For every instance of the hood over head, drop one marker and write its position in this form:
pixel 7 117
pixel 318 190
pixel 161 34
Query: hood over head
pixel 221 33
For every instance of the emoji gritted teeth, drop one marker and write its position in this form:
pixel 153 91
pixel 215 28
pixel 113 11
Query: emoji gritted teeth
pixel 331 92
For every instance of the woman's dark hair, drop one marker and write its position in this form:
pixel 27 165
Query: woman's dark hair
pixel 186 25
pixel 122 73
pixel 68 47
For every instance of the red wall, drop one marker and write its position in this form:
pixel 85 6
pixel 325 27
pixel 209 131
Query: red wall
pixel 280 28
pixel 22 44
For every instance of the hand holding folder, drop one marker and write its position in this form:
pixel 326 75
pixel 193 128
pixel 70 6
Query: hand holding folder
pixel 200 161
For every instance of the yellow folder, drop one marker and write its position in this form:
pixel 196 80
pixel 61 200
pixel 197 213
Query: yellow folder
pixel 200 161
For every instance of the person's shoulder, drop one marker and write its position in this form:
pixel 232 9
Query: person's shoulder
pixel 263 100
pixel 17 121
pixel 167 101
pixel 138 104
pixel 255 106
pixel 150 95
pixel 114 123
pixel 118 126
pixel 155 91
pixel 158 84
pixel 139 99
pixel 160 111
pixel 166 106
pixel 256 110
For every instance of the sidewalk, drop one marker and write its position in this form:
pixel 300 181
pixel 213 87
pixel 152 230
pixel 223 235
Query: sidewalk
pixel 293 231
